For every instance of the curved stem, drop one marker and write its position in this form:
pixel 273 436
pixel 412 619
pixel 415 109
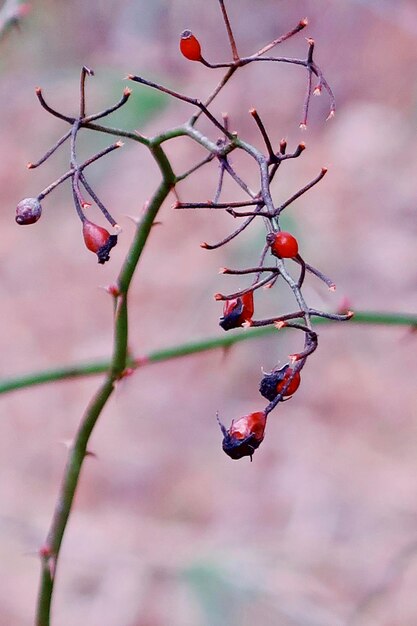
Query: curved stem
pixel 50 551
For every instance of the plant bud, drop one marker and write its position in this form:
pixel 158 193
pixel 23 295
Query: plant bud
pixel 28 211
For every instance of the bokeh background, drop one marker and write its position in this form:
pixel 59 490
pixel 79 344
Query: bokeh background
pixel 321 529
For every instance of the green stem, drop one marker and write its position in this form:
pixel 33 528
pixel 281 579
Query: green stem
pixel 184 349
pixel 69 484
pixel 115 369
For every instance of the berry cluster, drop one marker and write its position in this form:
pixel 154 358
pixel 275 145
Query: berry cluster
pixel 245 433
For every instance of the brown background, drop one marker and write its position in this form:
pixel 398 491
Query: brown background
pixel 321 529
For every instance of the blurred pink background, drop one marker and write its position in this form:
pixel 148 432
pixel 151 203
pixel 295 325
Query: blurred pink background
pixel 321 529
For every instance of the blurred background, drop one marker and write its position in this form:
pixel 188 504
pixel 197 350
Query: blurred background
pixel 321 529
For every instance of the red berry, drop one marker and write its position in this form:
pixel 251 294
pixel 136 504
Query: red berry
pixel 237 311
pixel 98 240
pixel 294 384
pixel 245 435
pixel 283 245
pixel 190 46
pixel 28 211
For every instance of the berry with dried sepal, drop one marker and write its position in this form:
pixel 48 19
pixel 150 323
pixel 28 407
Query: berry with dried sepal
pixel 190 46
pixel 237 311
pixel 28 211
pixel 272 384
pixel 98 240
pixel 283 245
pixel 244 436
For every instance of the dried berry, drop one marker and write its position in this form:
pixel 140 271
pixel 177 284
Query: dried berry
pixel 28 211
pixel 244 436
pixel 190 46
pixel 98 240
pixel 272 384
pixel 237 311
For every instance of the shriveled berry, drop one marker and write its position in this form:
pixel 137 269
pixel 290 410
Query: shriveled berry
pixel 244 436
pixel 283 245
pixel 98 240
pixel 190 46
pixel 28 211
pixel 237 311
pixel 272 384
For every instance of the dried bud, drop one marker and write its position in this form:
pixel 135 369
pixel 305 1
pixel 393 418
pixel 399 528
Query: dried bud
pixel 28 211
pixel 272 384
pixel 98 240
pixel 237 311
pixel 244 436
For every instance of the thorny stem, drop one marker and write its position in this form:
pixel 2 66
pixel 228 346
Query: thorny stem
pixel 77 453
pixel 94 368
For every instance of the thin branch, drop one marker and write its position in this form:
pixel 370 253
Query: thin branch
pixel 248 270
pixel 329 282
pixel 228 75
pixel 97 200
pixel 300 26
pixel 46 156
pixel 303 190
pixel 302 273
pixel 303 123
pixel 290 200
pixel 193 169
pixel 237 294
pixel 264 134
pixel 235 233
pixel 220 182
pixel 53 112
pixel 229 169
pixel 229 31
pixel 85 71
pixel 125 97
pixel 94 368
pixel 179 96
pixel 71 172
pixel 214 205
